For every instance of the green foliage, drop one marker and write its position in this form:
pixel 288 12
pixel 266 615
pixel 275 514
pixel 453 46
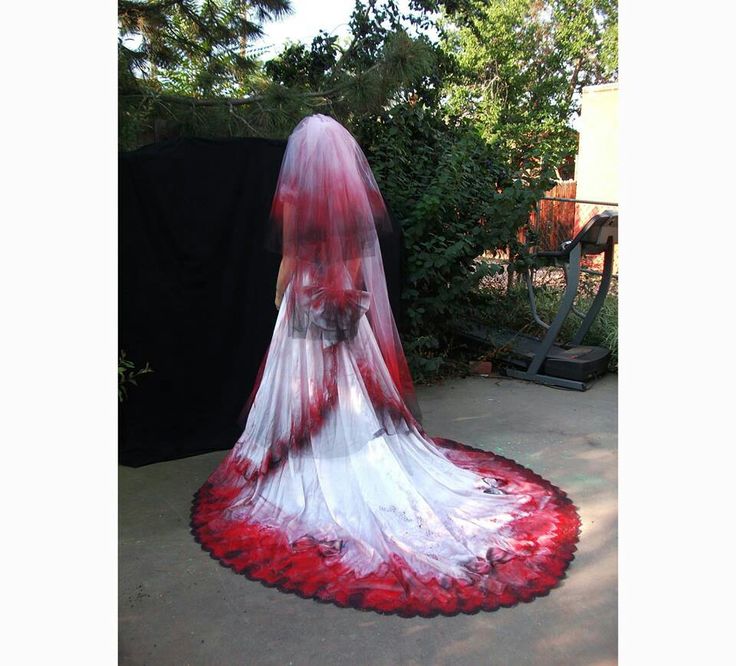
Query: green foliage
pixel 455 199
pixel 128 375
pixel 176 56
pixel 194 47
pixel 463 136
pixel 381 65
pixel 520 66
pixel 308 68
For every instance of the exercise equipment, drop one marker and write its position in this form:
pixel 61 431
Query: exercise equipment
pixel 546 361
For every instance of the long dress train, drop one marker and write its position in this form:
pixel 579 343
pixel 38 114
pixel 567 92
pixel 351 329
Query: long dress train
pixel 334 492
pixel 320 498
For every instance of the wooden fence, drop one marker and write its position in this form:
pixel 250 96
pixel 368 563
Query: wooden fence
pixel 555 221
pixel 558 221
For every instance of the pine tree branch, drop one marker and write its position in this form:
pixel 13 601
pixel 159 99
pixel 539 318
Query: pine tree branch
pixel 240 101
pixel 241 119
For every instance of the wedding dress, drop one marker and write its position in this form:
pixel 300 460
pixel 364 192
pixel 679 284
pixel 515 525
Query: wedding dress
pixel 334 491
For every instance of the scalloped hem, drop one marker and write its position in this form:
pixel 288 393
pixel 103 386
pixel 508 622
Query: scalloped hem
pixel 312 569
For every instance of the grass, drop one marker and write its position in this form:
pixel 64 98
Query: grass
pixel 502 308
pixel 510 309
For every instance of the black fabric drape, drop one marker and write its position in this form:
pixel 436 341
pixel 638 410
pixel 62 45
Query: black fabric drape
pixel 196 289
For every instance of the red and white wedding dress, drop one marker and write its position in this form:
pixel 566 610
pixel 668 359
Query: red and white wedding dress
pixel 334 491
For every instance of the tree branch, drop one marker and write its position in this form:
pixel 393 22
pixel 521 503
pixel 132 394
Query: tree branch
pixel 240 101
pixel 574 78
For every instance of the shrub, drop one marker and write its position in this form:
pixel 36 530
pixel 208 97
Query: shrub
pixel 455 200
pixel 128 374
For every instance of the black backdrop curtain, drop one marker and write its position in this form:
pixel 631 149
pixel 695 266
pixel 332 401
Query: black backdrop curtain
pixel 196 289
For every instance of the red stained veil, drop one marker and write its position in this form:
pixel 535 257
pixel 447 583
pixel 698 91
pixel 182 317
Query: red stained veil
pixel 334 491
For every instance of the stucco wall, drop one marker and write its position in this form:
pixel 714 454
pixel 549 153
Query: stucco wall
pixel 596 166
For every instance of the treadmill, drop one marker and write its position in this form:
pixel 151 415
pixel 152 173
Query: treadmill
pixel 546 361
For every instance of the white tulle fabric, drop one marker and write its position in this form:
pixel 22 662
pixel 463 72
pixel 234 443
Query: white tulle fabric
pixel 334 491
pixel 376 492
pixel 325 215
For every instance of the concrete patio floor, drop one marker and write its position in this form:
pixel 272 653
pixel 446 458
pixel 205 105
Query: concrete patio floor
pixel 179 607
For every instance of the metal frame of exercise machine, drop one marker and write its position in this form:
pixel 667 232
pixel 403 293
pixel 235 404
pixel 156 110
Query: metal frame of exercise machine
pixel 569 366
pixel 600 234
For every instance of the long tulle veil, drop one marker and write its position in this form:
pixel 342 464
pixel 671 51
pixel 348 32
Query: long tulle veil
pixel 326 212
pixel 333 490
